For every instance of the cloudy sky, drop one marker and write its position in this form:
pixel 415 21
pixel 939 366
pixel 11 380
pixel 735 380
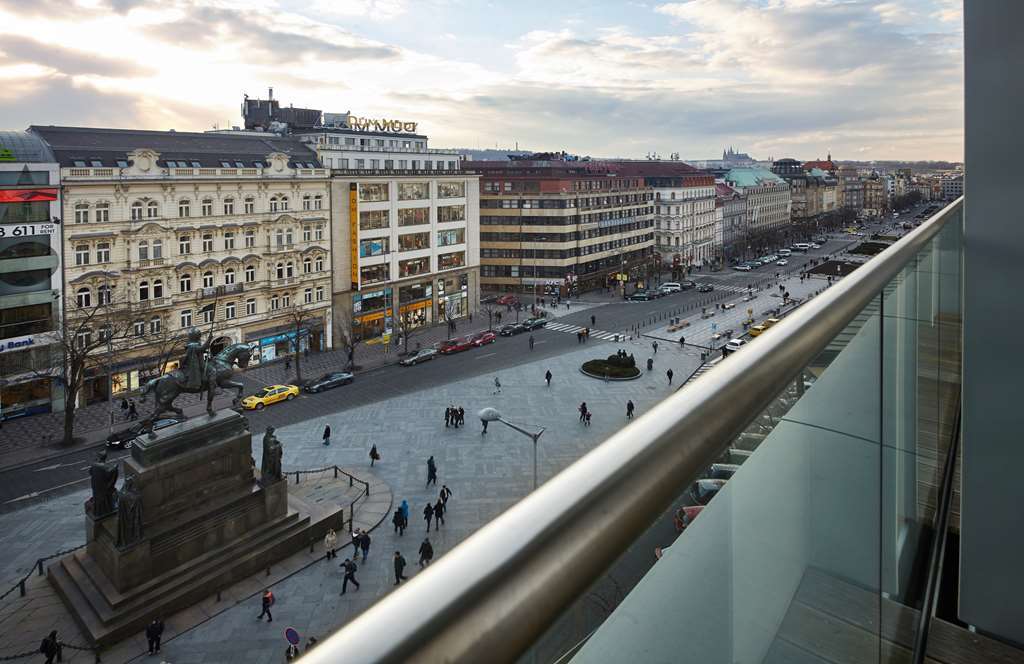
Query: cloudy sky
pixel 862 78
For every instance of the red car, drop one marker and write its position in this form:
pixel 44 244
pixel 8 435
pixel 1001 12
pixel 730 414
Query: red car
pixel 507 299
pixel 456 345
pixel 483 338
pixel 685 515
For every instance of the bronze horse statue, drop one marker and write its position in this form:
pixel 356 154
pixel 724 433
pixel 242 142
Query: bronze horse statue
pixel 217 373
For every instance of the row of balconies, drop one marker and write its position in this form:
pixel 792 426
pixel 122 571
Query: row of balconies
pixel 108 173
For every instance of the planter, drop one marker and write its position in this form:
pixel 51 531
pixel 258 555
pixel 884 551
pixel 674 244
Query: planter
pixel 613 368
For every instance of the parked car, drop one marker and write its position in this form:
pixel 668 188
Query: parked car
pixel 534 323
pixel 422 355
pixel 654 294
pixel 735 344
pixel 721 471
pixel 328 381
pixel 785 252
pixel 782 262
pixel 729 305
pixel 688 284
pixel 123 439
pixel 684 516
pixel 484 338
pixel 735 455
pixel 507 299
pixel 511 328
pixel 757 330
pixel 815 246
pixel 670 287
pixel 639 296
pixel 702 491
pixel 724 334
pixel 455 345
pixel 771 321
pixel 743 268
pixel 269 395
pixel 705 288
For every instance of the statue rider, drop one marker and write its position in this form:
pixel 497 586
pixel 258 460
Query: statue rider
pixel 193 365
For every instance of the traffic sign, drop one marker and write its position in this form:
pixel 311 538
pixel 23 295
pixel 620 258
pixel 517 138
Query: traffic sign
pixel 292 636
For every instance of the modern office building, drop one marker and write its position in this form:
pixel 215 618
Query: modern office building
pixel 30 274
pixel 551 223
pixel 228 233
pixel 952 188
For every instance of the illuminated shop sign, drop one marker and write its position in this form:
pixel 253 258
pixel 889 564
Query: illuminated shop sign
pixel 369 124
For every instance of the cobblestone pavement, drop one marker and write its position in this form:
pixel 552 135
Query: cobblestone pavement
pixel 486 473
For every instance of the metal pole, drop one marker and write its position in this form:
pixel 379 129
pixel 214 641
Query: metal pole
pixel 535 464
pixel 110 385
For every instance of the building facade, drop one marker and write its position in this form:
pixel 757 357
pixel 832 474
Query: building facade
pixel 30 274
pixel 952 188
pixel 875 196
pixel 767 196
pixel 407 243
pixel 733 205
pixel 225 233
pixel 553 224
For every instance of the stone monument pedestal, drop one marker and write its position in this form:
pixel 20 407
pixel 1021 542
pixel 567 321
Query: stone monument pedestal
pixel 207 522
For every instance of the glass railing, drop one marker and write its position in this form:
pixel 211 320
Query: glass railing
pixel 829 430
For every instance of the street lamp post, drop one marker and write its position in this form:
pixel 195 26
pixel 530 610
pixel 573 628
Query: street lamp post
pixel 492 415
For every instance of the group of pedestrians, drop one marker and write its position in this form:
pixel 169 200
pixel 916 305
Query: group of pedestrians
pixel 583 335
pixel 128 409
pixel 584 414
pixel 454 417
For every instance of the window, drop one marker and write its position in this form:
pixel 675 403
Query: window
pixel 250 307
pixel 307 265
pixel 229 310
pixel 373 219
pixel 207 279
pixel 103 252
pixel 414 266
pixel 279 236
pixel 449 261
pixel 250 273
pixel 229 206
pixel 82 213
pixel 286 300
pixel 403 164
pixel 451 189
pixel 375 164
pixel 103 294
pixel 143 290
pixel 290 269
pixel 275 303
pixel 413 191
pixel 413 241
pixel 83 298
pixel 455 236
pixel 279 271
pixel 154 325
pixel 318 202
pixel 185 245
pixel 136 211
pixel 184 208
pixel 207 313
pixel 318 234
pixel 373 274
pixel 307 296
pixel 318 264
pixel 307 202
pixel 139 328
pixel 82 254
pixel 229 276
pixel 283 202
pixel 185 283
pixel 158 288
pixel 413 216
pixel 158 249
pixel 207 207
pixel 273 203
pixel 83 338
pixel 360 163
pixel 307 234
pixel 185 318
pixel 207 242
pixel 143 250
pixel 373 247
pixel 278 203
pixel 451 213
pixel 319 293
pixel 250 204
pixel 250 239
pixel 229 240
pixel 152 210
pixel 373 192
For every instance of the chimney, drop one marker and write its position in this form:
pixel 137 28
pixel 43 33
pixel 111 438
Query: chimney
pixel 270 94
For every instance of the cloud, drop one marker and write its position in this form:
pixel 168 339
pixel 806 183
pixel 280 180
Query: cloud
pixel 379 10
pixel 17 49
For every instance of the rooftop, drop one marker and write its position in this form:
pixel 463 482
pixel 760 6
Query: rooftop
pixel 21 146
pixel 751 177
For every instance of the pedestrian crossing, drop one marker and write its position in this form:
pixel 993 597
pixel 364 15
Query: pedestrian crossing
pixel 730 289
pixel 576 329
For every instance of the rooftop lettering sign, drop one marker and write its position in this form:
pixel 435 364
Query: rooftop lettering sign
pixel 369 124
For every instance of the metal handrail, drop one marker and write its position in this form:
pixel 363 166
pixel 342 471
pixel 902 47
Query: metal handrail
pixel 496 593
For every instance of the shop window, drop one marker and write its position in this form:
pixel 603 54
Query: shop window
pixel 454 236
pixel 415 292
pixel 369 193
pixel 451 213
pixel 373 274
pixel 413 191
pixel 413 241
pixel 413 216
pixel 373 219
pixel 82 213
pixel 373 247
pixel 451 189
pixel 450 261
pixel 414 266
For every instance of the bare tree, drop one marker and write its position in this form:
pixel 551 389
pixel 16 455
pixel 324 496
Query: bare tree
pixel 298 317
pixel 344 329
pixel 404 327
pixel 490 306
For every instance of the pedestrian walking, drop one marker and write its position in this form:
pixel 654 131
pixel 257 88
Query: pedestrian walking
pixel 124 408
pixel 431 471
pixel 426 552
pixel 682 342
pixel 446 493
pixel 462 416
pixel 405 512
pixel 547 377
pixel 327 435
pixel 350 575
pixel 398 519
pixel 428 514
pixel 399 567
pixel 586 420
pixel 133 413
pixel 484 423
pixel 291 652
pixel 438 514
pixel 331 544
pixel 364 544
pixel 288 365
pixel 654 345
pixel 497 385
pixel 669 374
pixel 355 534
pixel 447 417
pixel 267 601
pixel 583 411
pixel 579 337
pixel 593 321
pixel 531 342
pixel 374 455
pixel 154 631
pixel 52 649
pixel 629 409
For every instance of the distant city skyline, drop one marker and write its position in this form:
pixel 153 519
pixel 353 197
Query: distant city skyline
pixel 862 79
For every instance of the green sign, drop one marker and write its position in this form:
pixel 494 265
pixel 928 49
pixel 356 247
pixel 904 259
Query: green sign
pixel 7 155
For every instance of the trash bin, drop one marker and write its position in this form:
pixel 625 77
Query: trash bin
pixel 650 364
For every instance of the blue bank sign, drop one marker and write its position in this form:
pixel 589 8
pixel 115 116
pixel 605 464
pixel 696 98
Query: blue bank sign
pixel 20 343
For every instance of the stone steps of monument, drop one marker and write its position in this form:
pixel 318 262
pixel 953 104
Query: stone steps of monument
pixel 175 590
pixel 199 527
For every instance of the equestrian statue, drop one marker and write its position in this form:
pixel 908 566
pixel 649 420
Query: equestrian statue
pixel 198 372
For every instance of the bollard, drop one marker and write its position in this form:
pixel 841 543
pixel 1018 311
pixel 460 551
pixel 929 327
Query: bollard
pixel 268 571
pixel 367 490
pixel 21 587
pixel 350 480
pixel 311 542
pixel 335 472
pixel 218 595
pixel 40 564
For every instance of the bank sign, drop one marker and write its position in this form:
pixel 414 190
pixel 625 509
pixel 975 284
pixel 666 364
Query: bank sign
pixel 21 343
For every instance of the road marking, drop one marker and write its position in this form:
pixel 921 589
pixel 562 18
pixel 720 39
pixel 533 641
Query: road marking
pixel 480 357
pixel 36 494
pixel 539 342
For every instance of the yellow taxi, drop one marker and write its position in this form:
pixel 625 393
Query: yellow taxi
pixel 769 322
pixel 758 329
pixel 270 394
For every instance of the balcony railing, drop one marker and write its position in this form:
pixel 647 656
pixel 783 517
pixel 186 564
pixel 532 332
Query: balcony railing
pixel 97 173
pixel 498 593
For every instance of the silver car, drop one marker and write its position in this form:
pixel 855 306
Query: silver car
pixel 420 356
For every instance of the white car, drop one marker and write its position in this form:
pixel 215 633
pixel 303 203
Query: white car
pixel 742 268
pixel 815 246
pixel 782 262
pixel 735 344
pixel 670 287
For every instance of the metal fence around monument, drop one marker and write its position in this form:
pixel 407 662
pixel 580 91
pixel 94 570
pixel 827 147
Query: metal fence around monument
pixel 338 471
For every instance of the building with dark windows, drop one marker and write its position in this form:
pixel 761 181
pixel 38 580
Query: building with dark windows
pixel 30 274
pixel 558 224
